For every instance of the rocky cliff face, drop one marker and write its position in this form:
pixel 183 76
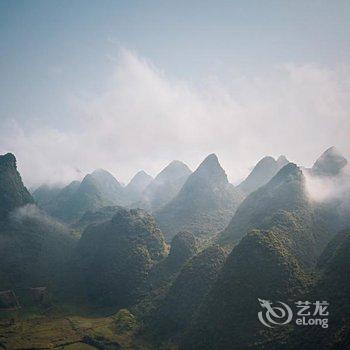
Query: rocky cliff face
pixel 13 193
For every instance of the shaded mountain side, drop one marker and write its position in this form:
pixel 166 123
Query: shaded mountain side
pixel 285 191
pixel 330 163
pixel 259 267
pixel 164 187
pixel 332 286
pixel 33 249
pixel 61 200
pixel 96 217
pixel 283 206
pixel 262 173
pixel 134 189
pixel 113 258
pixel 204 205
pixel 32 245
pixel 183 247
pixel 13 193
pixel 174 311
pixel 45 194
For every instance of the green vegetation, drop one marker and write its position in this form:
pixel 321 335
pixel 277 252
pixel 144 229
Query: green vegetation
pixel 258 267
pixel 282 206
pixel 119 331
pixel 113 258
pixel 13 194
pixel 173 313
pixel 118 286
pixel 204 205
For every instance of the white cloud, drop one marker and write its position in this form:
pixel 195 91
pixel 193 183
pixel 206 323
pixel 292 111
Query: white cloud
pixel 145 120
pixel 328 188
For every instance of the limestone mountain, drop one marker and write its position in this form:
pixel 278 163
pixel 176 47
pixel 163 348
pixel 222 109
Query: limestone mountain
pixel 45 194
pixel 134 189
pixel 32 245
pixel 174 312
pixel 113 258
pixel 330 163
pixel 282 205
pixel 183 247
pixel 96 217
pixel 13 193
pixel 106 183
pixel 55 203
pixel 204 205
pixel 259 267
pixel 262 173
pixel 97 190
pixel 165 186
pixel 333 286
pixel 33 249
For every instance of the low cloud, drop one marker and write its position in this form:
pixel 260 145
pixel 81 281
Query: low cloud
pixel 332 191
pixel 30 212
pixel 328 188
pixel 145 120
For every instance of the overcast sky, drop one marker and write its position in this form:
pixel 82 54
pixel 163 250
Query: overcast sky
pixel 130 85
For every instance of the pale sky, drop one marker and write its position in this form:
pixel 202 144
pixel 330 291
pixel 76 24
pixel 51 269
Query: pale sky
pixel 130 85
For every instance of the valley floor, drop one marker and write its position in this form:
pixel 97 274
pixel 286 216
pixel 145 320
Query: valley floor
pixel 71 332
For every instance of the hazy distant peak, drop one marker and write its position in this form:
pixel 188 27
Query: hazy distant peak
pixel 137 185
pixel 205 203
pixel 330 163
pixel 174 170
pixel 101 172
pixel 210 168
pixel 282 160
pixel 176 164
pixel 332 150
pixel 210 161
pixel 263 172
pixel 103 175
pixel 140 179
pixel 141 173
pixel 212 158
pixel 266 159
